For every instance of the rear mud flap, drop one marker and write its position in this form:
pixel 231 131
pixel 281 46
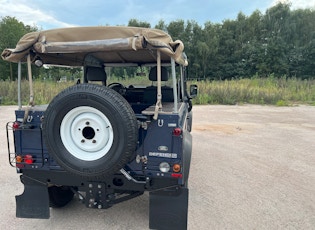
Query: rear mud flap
pixel 169 209
pixel 34 201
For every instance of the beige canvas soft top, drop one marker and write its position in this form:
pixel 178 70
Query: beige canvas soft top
pixel 70 46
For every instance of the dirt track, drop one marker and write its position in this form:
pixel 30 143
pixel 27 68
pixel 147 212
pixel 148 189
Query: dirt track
pixel 253 167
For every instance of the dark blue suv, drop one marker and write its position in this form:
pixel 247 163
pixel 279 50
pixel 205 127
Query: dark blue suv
pixel 105 142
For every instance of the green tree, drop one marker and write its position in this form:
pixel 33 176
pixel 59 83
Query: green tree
pixel 210 37
pixel 193 34
pixel 161 26
pixel 137 23
pixel 11 31
pixel 176 29
pixel 276 43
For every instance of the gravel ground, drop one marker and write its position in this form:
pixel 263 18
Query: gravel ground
pixel 253 167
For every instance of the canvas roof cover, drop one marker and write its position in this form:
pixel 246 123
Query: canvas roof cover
pixel 70 46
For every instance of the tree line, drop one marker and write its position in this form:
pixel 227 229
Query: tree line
pixel 280 42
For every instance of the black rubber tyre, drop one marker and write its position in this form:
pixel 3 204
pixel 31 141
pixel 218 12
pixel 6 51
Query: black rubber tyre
pixel 90 130
pixel 59 196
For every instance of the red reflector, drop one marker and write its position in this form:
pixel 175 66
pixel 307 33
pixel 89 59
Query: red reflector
pixel 177 132
pixel 16 125
pixel 177 175
pixel 20 166
pixel 28 159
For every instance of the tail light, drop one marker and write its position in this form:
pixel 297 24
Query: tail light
pixel 18 159
pixel 16 125
pixel 176 168
pixel 28 159
pixel 177 132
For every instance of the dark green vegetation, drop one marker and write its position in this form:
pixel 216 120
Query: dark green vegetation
pixel 276 49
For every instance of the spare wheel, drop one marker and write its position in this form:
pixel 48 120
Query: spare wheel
pixel 90 130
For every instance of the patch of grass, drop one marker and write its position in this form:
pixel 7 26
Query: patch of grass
pixel 271 90
pixel 282 103
pixel 44 91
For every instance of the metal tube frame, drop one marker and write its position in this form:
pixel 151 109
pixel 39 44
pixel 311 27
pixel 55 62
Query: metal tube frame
pixel 174 86
pixel 19 86
pixel 158 105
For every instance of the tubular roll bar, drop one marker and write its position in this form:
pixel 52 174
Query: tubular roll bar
pixel 158 105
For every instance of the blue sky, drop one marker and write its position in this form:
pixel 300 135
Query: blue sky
pixel 48 14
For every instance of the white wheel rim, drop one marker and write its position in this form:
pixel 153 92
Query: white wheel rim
pixel 86 133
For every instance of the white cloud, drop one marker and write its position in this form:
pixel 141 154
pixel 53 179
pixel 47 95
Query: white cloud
pixel 298 4
pixel 29 15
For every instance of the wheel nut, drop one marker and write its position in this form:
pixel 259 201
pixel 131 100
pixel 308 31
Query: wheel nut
pixel 82 141
pixel 87 123
pixel 94 141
